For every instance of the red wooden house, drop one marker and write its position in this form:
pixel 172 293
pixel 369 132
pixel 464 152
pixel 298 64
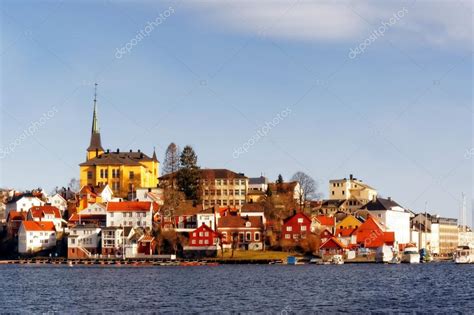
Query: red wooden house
pixel 203 236
pixel 296 227
pixel 332 247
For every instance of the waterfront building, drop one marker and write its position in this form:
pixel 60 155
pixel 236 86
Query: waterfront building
pixel 203 236
pixel 371 234
pixel 332 247
pixel 93 214
pixel 124 172
pixel 420 235
pixel 113 240
pixel 466 236
pixel 131 214
pixel 46 214
pixel 83 241
pixel 392 216
pixel 444 233
pixel 36 236
pixel 296 227
pixel 244 232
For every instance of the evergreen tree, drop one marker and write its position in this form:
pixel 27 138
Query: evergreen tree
pixel 280 179
pixel 171 162
pixel 188 174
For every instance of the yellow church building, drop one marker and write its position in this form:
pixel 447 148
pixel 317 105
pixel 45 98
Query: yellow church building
pixel 124 172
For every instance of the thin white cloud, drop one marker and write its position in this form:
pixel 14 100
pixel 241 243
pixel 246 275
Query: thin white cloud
pixel 436 22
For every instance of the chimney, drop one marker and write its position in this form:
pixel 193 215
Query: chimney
pixel 138 150
pixel 351 177
pixel 130 151
pixel 118 151
pixel 389 198
pixel 108 150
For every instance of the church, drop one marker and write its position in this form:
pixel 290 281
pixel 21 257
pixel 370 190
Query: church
pixel 124 172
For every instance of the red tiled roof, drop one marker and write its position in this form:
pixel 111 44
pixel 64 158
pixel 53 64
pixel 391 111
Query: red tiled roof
pixel 253 207
pixel 16 216
pixel 344 232
pixel 41 211
pixel 332 243
pixel 75 217
pixel 129 206
pixel 325 220
pixel 296 216
pixel 38 226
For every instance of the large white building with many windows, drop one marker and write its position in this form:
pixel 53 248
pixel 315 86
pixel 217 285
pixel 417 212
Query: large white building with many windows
pixel 130 214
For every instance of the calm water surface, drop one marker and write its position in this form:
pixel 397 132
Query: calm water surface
pixel 441 288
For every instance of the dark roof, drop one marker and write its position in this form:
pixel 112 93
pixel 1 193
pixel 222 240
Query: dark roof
pixel 211 174
pixel 232 221
pixel 381 204
pixel 253 207
pixel 332 203
pixel 120 158
pixel 96 143
pixel 258 180
pixel 283 187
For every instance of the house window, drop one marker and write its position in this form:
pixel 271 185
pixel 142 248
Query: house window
pixel 257 236
pixel 300 220
pixel 89 175
pixel 200 242
pixel 101 173
pixel 289 228
pixel 303 228
pixel 131 175
pixel 333 192
pixel 193 242
pixel 206 241
pixel 287 236
pixel 248 237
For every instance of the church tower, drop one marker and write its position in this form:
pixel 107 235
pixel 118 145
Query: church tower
pixel 95 148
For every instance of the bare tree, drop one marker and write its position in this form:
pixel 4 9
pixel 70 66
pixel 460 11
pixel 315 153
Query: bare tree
pixel 171 162
pixel 74 185
pixel 308 187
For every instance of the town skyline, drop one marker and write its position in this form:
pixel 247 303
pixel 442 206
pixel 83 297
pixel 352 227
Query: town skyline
pixel 417 145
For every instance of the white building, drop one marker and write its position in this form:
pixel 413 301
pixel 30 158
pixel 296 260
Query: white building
pixel 59 202
pixel 258 184
pixel 392 216
pixel 150 194
pixel 466 237
pixel 47 214
pixel 36 236
pixel 83 241
pixel 130 214
pixel 22 204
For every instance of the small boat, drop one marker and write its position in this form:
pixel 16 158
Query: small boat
pixel 425 256
pixel 337 260
pixel 411 255
pixel 464 255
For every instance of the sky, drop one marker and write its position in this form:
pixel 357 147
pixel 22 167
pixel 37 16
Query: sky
pixel 379 90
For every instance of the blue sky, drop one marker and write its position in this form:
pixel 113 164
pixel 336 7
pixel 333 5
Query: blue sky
pixel 212 73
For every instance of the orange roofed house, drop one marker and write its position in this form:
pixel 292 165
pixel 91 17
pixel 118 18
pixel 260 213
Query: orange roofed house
pixel 371 235
pixel 36 236
pixel 46 214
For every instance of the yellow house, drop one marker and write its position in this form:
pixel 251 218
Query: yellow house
pixel 349 222
pixel 124 172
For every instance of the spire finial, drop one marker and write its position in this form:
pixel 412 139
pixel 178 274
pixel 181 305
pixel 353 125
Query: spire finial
pixel 95 121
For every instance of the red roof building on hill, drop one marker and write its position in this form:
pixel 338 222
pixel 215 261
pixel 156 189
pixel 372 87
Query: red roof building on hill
pixel 46 214
pixel 131 213
pixel 203 236
pixel 332 247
